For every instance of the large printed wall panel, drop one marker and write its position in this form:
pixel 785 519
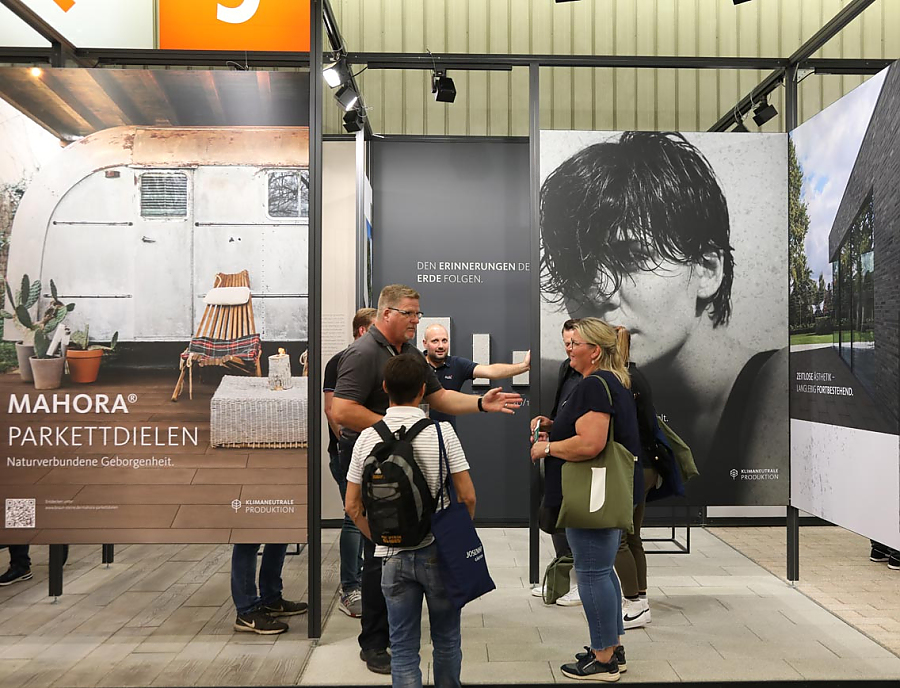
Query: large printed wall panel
pixel 680 239
pixel 452 221
pixel 172 253
pixel 496 103
pixel 845 379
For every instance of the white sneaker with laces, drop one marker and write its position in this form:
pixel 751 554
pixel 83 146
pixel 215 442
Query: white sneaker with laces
pixel 570 599
pixel 538 590
pixel 635 613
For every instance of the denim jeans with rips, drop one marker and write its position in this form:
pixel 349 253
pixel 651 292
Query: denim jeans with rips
pixel 244 592
pixel 407 578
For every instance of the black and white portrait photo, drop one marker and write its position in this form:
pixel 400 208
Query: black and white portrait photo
pixel 681 239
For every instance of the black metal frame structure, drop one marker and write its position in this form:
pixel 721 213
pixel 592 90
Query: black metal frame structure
pixel 322 25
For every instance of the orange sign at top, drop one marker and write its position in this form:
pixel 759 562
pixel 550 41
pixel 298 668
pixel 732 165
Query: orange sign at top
pixel 234 25
pixel 65 5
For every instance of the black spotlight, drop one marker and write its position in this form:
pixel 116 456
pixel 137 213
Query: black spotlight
pixel 740 128
pixel 443 88
pixel 738 2
pixel 354 121
pixel 764 112
pixel 347 97
pixel 336 72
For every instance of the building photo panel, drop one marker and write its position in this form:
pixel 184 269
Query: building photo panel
pixel 680 238
pixel 155 300
pixel 845 378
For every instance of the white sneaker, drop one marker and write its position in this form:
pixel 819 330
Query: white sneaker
pixel 538 590
pixel 635 613
pixel 570 599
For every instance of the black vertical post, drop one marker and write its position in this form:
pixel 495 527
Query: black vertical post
pixel 57 559
pixel 534 388
pixel 109 554
pixel 314 513
pixel 791 106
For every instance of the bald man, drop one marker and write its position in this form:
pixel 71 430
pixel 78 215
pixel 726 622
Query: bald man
pixel 453 371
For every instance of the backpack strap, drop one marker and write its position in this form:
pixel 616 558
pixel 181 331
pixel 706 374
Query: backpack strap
pixel 382 429
pixel 416 428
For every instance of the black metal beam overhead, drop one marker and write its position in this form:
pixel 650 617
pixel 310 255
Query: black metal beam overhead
pixel 844 65
pixel 803 53
pixel 110 57
pixel 505 62
pixel 61 47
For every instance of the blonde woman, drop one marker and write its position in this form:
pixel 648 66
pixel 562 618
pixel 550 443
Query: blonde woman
pixel 578 433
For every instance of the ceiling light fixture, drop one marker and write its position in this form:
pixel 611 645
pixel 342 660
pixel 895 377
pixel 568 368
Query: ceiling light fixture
pixel 442 87
pixel 764 112
pixel 336 72
pixel 347 97
pixel 355 120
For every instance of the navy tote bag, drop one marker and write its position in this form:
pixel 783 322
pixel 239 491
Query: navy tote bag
pixel 464 570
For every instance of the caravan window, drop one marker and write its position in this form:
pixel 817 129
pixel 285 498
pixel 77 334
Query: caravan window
pixel 164 194
pixel 289 193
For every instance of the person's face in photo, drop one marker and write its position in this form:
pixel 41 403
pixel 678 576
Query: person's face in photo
pixel 657 305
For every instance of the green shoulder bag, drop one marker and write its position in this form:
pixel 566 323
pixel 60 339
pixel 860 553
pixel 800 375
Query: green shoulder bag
pixel 556 578
pixel 599 493
pixel 684 457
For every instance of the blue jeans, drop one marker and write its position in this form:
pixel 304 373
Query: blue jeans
pixel 407 577
pixel 351 539
pixel 243 576
pixel 598 586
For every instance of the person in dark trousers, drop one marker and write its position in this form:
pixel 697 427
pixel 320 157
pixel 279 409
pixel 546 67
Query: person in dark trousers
pixel 258 610
pixel 360 401
pixel 453 371
pixel 19 565
pixel 567 380
pixel 351 543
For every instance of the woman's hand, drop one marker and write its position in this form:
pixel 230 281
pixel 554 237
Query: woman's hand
pixel 539 448
pixel 545 423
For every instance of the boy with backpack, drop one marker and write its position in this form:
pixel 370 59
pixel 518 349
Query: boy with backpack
pixel 392 486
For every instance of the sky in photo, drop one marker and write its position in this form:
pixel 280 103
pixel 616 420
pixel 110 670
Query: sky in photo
pixel 827 146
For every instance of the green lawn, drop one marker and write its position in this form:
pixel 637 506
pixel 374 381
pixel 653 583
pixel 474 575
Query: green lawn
pixel 811 339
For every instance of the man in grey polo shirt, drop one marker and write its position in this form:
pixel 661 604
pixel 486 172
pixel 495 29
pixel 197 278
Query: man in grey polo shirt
pixel 360 401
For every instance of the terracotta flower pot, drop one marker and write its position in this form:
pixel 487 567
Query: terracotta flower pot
pixel 47 372
pixel 84 365
pixel 24 352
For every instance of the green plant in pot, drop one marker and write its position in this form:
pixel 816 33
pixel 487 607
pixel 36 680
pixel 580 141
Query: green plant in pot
pixel 83 358
pixel 23 301
pixel 46 368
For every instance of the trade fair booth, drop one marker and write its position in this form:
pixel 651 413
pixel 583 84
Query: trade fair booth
pixel 202 215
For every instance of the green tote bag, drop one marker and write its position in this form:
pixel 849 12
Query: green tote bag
pixel 599 493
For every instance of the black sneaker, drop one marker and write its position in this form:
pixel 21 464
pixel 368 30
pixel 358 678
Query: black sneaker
pixel 259 622
pixel 285 607
pixel 618 653
pixel 377 661
pixel 893 562
pixel 590 669
pixel 14 576
pixel 879 556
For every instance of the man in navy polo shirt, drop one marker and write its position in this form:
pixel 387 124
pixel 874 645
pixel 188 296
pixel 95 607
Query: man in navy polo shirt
pixel 453 371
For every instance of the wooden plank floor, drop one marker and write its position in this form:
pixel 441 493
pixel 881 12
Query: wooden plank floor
pixel 160 615
pixel 188 500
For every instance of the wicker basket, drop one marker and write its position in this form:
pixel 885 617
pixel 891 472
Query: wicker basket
pixel 244 412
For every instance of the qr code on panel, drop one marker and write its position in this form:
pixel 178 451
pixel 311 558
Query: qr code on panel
pixel 20 513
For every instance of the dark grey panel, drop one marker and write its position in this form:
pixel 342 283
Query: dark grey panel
pixel 459 201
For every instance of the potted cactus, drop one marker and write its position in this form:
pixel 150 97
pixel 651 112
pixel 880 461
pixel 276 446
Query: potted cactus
pixel 28 296
pixel 46 367
pixel 83 358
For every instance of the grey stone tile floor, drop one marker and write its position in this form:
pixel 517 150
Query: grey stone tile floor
pixel 162 616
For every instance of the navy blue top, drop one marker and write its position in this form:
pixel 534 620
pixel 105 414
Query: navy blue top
pixel 590 395
pixel 328 385
pixel 452 374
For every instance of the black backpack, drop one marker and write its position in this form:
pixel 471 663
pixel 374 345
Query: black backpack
pixel 395 494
